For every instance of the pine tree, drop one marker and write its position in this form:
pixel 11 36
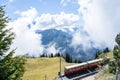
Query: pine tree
pixel 116 51
pixel 68 58
pixel 11 68
pixel 76 61
pixel 115 64
pixel 51 55
pixel 98 52
pixel 57 55
pixel 106 50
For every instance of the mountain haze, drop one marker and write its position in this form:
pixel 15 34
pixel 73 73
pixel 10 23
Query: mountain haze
pixel 62 42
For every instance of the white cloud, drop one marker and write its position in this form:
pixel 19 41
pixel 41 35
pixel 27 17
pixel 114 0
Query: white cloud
pixel 26 40
pixel 81 38
pixel 101 22
pixel 52 49
pixel 57 21
pixel 77 39
pixel 101 19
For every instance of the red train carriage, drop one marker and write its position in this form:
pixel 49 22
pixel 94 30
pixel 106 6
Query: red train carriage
pixel 69 70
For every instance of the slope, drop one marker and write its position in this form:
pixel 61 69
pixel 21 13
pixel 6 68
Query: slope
pixel 41 68
pixel 109 54
pixel 106 75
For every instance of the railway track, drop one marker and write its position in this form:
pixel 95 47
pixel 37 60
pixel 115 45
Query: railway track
pixel 85 75
pixel 81 77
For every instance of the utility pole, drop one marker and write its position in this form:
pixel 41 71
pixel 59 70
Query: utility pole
pixel 60 66
pixel 60 73
pixel 45 77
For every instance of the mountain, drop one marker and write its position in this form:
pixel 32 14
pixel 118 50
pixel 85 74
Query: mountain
pixel 62 41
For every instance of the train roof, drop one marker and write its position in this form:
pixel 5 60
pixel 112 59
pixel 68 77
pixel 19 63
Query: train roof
pixel 81 64
pixel 76 65
pixel 96 60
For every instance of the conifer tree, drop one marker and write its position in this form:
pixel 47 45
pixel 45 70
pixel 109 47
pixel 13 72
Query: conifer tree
pixel 11 68
pixel 68 58
pixel 115 64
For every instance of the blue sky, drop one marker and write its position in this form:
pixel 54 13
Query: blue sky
pixel 42 6
pixel 98 18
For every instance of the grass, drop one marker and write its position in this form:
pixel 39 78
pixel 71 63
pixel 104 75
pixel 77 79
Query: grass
pixel 43 68
pixel 107 75
pixel 48 68
pixel 109 54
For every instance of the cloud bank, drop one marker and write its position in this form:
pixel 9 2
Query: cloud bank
pixel 101 19
pixel 27 41
pixel 97 21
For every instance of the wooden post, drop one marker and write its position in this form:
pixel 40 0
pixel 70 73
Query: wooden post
pixel 45 77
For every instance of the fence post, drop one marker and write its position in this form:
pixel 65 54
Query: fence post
pixel 45 77
pixel 117 75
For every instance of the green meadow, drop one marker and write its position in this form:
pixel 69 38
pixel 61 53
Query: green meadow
pixel 48 68
pixel 43 68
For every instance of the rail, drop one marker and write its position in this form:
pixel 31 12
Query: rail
pixel 85 75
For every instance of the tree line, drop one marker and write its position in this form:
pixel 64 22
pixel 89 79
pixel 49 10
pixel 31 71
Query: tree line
pixel 99 52
pixel 67 57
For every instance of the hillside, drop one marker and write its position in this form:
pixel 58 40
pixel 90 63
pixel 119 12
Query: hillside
pixel 107 75
pixel 38 68
pixel 109 54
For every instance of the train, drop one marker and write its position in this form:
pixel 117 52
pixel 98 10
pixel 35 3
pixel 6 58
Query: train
pixel 93 64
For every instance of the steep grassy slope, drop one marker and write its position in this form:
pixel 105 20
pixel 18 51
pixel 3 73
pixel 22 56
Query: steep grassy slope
pixel 109 54
pixel 107 75
pixel 39 68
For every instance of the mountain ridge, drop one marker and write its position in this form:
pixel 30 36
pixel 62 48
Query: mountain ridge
pixel 62 41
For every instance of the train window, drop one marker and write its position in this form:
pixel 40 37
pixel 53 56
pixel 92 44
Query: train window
pixel 78 68
pixel 81 67
pixel 69 70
